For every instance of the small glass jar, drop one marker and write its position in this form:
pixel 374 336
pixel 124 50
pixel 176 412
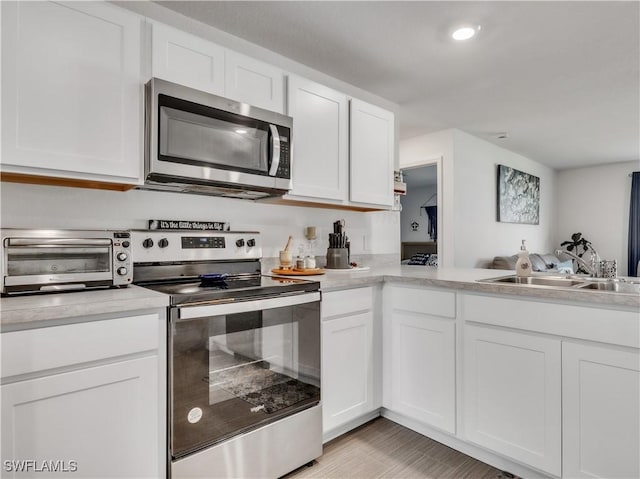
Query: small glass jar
pixel 309 262
pixel 300 263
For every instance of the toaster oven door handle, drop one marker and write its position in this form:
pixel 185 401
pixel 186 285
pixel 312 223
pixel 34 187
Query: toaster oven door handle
pixel 275 150
pixel 57 241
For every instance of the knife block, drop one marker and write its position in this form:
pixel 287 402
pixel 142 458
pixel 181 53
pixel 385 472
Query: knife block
pixel 338 258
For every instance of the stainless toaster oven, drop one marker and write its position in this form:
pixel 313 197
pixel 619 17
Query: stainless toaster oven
pixel 35 261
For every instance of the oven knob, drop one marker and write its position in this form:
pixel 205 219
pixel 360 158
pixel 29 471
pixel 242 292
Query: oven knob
pixel 163 243
pixel 148 243
pixel 122 256
pixel 125 244
pixel 240 243
pixel 122 271
pixel 251 243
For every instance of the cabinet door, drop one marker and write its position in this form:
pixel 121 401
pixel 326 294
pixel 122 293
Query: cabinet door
pixel 512 395
pixel 71 91
pixel 372 154
pixel 319 150
pixel 104 418
pixel 254 82
pixel 347 369
pixel 423 368
pixel 600 407
pixel 186 59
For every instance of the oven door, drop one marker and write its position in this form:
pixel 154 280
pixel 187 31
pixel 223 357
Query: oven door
pixel 241 365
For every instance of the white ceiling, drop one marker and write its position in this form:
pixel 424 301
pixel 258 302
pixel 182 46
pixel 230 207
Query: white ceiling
pixel 561 77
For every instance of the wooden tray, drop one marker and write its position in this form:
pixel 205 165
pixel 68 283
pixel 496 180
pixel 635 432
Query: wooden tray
pixel 299 272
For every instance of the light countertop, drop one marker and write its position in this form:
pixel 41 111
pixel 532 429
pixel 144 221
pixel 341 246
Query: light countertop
pixel 466 280
pixel 34 310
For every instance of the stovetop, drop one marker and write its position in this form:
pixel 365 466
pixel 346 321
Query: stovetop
pixel 206 266
pixel 189 291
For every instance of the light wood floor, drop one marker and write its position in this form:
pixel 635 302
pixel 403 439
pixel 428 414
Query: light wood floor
pixel 384 449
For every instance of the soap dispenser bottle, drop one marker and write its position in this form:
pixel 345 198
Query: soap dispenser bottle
pixel 523 265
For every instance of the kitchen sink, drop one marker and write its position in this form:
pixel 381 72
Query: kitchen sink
pixel 615 286
pixel 536 281
pixel 571 281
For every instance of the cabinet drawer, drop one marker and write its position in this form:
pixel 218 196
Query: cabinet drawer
pixel 424 301
pixel 591 323
pixel 340 303
pixel 47 348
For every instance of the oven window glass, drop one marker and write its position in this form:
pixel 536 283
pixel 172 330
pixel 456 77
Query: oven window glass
pixel 209 137
pixel 50 260
pixel 236 372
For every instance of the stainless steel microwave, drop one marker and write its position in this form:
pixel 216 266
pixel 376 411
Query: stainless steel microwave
pixel 197 142
pixel 39 261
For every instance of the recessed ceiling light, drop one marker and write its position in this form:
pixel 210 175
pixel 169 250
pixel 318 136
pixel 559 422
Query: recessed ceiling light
pixel 464 33
pixel 241 131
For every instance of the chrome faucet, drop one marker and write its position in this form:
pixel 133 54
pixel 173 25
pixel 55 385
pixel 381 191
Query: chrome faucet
pixel 591 268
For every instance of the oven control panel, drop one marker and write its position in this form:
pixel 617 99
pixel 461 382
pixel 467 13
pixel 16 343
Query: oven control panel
pixel 188 245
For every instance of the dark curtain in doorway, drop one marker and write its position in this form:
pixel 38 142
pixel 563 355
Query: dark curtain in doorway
pixel 432 214
pixel 634 226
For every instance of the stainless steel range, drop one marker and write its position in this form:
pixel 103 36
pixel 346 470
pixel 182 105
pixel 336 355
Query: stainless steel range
pixel 243 355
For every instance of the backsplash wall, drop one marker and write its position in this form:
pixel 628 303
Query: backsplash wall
pixel 36 206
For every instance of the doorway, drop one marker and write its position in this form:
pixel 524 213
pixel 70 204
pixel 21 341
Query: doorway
pixel 419 223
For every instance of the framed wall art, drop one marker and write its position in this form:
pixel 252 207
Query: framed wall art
pixel 518 196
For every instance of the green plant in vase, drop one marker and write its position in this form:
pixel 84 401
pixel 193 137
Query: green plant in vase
pixel 578 246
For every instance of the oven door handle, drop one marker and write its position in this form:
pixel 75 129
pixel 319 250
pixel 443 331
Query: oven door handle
pixel 193 312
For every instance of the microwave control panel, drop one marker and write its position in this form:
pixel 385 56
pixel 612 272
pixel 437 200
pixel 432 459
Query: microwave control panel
pixel 284 168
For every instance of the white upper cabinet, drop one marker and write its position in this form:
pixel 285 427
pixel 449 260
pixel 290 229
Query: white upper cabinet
pixel 191 61
pixel 71 91
pixel 320 143
pixel 372 154
pixel 254 82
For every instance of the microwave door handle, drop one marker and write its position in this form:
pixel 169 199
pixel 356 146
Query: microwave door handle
pixel 275 150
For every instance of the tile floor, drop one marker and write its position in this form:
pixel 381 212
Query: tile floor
pixel 384 449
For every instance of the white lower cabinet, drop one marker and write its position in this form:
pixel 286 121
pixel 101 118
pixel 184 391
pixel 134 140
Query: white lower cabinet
pixel 96 409
pixel 101 418
pixel 512 395
pixel 421 350
pixel 601 411
pixel 348 359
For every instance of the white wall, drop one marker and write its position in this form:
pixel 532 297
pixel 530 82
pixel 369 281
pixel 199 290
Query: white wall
pixel 595 202
pixel 37 206
pixel 424 150
pixel 411 212
pixel 478 235
pixel 471 236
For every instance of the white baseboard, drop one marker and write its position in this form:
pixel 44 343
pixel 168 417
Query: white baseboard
pixel 354 423
pixel 472 450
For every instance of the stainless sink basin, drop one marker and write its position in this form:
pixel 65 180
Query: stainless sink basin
pixel 537 281
pixel 573 282
pixel 615 286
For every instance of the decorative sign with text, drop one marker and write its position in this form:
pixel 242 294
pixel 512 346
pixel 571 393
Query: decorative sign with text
pixel 188 225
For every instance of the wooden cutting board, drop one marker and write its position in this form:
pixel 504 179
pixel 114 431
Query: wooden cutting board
pixel 299 272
